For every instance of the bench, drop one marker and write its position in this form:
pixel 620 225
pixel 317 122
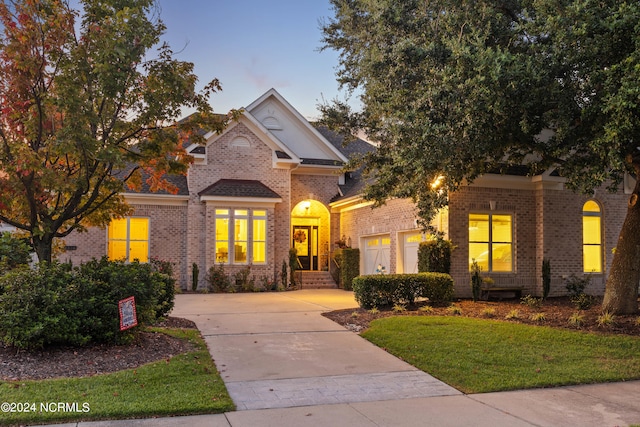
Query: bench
pixel 485 293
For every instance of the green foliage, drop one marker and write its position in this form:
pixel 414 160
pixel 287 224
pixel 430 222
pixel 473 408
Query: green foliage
pixel 349 267
pixel 504 355
pixel 583 301
pixel 391 289
pixel 293 266
pixel 435 77
pixel 54 304
pixel 100 82
pixel 546 278
pixel 283 275
pixel 195 388
pixel 218 279
pixel 195 273
pixel 531 302
pixel 14 252
pixel 435 255
pixel 476 281
pixel 244 281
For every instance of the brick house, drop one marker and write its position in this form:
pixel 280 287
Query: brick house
pixel 272 181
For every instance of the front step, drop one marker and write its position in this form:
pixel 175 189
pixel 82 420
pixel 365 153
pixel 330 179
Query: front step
pixel 317 280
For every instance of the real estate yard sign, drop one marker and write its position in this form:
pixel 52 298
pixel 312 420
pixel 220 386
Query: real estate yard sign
pixel 127 308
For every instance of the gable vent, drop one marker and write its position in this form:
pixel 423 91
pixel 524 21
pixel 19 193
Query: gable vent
pixel 272 123
pixel 240 141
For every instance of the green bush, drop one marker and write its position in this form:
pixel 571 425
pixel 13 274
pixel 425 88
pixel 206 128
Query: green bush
pixel 349 267
pixel 40 307
pixel 435 255
pixel 218 279
pixel 391 289
pixel 57 305
pixel 14 252
pixel 476 281
pixel 546 278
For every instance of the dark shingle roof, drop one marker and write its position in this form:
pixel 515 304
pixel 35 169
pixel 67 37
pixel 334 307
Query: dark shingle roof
pixel 355 147
pixel 239 188
pixel 179 181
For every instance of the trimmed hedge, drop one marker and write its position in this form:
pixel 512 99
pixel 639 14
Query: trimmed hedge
pixel 382 290
pixel 350 267
pixel 435 256
pixel 54 304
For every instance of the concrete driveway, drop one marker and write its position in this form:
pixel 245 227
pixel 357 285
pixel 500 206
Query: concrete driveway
pixel 275 350
pixel 285 364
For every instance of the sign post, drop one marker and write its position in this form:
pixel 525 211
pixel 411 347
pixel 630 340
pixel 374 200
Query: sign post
pixel 127 309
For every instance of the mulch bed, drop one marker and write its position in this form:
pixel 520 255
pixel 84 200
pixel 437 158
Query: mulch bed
pixel 556 314
pixel 94 359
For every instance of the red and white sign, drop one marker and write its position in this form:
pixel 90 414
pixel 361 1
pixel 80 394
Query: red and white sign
pixel 128 318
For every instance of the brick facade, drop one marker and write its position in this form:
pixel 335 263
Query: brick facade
pixel 546 223
pixel 546 218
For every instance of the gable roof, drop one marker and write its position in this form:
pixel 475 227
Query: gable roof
pixel 245 188
pixel 285 123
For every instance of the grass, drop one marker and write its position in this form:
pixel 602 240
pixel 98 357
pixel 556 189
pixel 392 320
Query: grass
pixel 185 384
pixel 480 355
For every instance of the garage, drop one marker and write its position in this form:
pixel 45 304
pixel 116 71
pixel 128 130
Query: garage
pixel 377 251
pixel 410 245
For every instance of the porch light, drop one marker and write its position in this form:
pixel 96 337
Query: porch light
pixel 437 182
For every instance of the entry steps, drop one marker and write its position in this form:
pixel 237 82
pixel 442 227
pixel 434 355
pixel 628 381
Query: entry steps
pixel 317 280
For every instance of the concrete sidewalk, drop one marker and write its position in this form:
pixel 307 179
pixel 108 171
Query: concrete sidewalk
pixel 286 365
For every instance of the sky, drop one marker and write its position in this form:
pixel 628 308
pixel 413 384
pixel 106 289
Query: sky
pixel 252 46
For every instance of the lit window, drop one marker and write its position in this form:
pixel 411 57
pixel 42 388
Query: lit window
pixel 591 237
pixel 235 242
pixel 222 235
pixel 241 235
pixel 128 239
pixel 259 236
pixel 490 242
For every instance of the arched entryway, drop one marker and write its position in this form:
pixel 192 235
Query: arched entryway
pixel 310 234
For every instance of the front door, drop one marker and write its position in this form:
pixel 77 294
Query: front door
pixel 305 241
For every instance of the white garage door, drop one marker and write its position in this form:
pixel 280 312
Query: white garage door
pixel 376 254
pixel 410 252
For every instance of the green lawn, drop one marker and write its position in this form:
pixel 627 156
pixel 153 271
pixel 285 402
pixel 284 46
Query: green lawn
pixel 477 356
pixel 187 384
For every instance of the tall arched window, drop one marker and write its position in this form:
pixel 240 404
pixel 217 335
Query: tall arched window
pixel 592 237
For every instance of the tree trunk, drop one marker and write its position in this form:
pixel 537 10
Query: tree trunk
pixel 43 247
pixel 621 293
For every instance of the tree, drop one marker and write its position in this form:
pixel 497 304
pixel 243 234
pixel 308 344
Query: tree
pixel 451 90
pixel 87 112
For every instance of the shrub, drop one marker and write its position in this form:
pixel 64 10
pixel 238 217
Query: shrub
pixel 112 281
pixel 538 317
pixel 381 290
pixel 350 267
pixel 489 312
pixel 583 301
pixel 283 275
pixel 454 310
pixel 575 285
pixel 546 278
pixel 606 319
pixel 435 255
pixel 40 307
pixel 476 281
pixel 244 281
pixel 293 266
pixel 54 304
pixel 195 273
pixel 14 252
pixel 218 280
pixel 576 319
pixel 531 302
pixel 513 314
